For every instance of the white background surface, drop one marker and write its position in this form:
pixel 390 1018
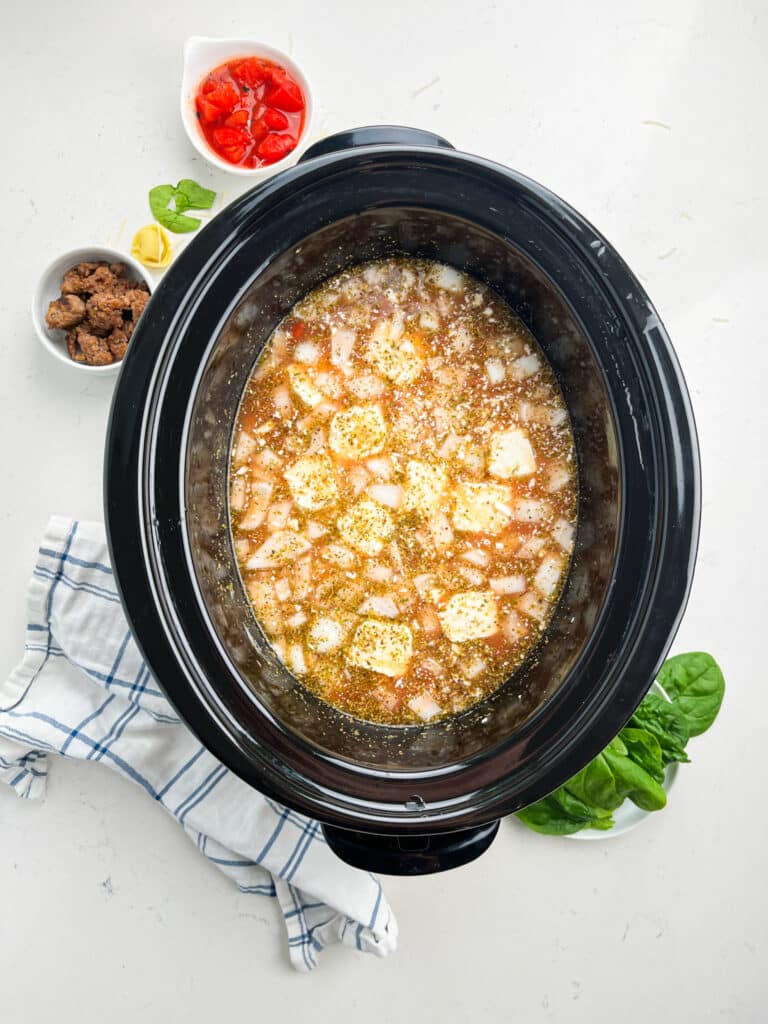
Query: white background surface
pixel 106 910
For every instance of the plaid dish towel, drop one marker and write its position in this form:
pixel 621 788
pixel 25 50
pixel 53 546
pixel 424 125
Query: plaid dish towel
pixel 82 690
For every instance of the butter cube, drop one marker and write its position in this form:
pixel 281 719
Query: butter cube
pixel 396 358
pixel 303 387
pixel 357 432
pixel 385 647
pixel 482 508
pixel 312 482
pixel 366 526
pixel 425 486
pixel 511 454
pixel 470 615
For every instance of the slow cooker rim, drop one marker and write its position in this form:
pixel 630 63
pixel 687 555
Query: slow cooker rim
pixel 331 160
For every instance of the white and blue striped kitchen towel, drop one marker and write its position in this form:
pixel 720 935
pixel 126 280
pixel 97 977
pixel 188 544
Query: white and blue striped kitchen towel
pixel 82 690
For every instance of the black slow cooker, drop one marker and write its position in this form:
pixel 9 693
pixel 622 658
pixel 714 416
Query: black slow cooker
pixel 416 798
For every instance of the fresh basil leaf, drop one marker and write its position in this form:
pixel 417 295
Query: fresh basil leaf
pixel 195 196
pixel 634 782
pixel 180 202
pixel 696 687
pixel 159 198
pixel 561 814
pixel 667 723
pixel 644 749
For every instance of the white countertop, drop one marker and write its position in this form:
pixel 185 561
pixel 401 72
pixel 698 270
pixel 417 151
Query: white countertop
pixel 650 119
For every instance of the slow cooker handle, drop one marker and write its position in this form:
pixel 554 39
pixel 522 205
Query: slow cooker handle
pixel 418 854
pixel 375 135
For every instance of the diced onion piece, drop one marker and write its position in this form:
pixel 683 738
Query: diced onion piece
pixel 433 666
pixel 317 441
pixel 424 583
pixel 564 533
pixel 315 530
pixel 424 706
pixel 531 547
pixel 430 621
pixel 244 448
pixel 391 495
pixel 448 277
pixel 473 576
pixel 278 515
pixel 449 446
pixel 281 396
pixel 461 340
pixel 525 367
pixel 440 530
pixel 329 383
pixel 342 345
pixel 366 385
pixel 476 557
pixel 378 572
pixel 301 579
pixel 261 492
pixel 296 659
pixel 262 595
pixel 559 475
pixel 325 635
pixel 339 555
pixel 494 368
pixel 529 510
pixel 358 479
pixel 280 547
pixel 475 668
pixel 508 584
pixel 428 320
pixel 242 548
pixel 380 466
pixel 513 627
pixel 379 605
pixel 548 575
pixel 296 621
pixel 394 554
pixel 533 605
pixel 303 386
pixel 278 646
pixel 268 459
pixel 306 352
pixel 282 589
pixel 238 493
pixel 557 417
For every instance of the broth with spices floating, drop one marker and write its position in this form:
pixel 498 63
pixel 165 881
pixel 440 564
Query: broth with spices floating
pixel 402 491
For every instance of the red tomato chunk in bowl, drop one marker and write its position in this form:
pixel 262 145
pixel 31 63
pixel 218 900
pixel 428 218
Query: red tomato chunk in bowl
pixel 251 111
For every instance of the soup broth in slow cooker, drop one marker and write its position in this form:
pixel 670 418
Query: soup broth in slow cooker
pixel 402 491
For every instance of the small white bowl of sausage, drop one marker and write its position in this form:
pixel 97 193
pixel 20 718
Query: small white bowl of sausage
pixel 86 306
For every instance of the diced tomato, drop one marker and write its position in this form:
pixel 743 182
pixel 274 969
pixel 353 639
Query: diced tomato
pixel 284 92
pixel 208 112
pixel 234 154
pixel 227 137
pixel 259 129
pixel 275 147
pixel 209 85
pixel 237 119
pixel 250 72
pixel 276 120
pixel 225 96
pixel 298 328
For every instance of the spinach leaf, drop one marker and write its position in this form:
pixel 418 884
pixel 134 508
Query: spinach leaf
pixel 596 785
pixel 632 780
pixel 696 686
pixel 667 723
pixel 561 814
pixel 194 196
pixel 159 198
pixel 645 750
